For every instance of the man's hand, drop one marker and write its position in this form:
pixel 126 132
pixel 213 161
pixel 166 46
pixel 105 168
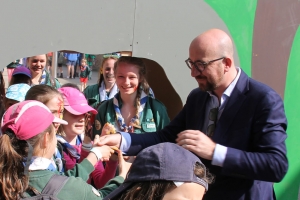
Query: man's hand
pixel 110 140
pixel 196 142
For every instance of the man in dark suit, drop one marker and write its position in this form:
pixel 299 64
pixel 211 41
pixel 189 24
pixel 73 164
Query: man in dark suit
pixel 235 124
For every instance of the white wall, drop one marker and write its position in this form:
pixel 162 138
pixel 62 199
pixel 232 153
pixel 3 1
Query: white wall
pixel 157 30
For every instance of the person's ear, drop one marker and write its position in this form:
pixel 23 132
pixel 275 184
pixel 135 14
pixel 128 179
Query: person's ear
pixel 228 62
pixel 44 143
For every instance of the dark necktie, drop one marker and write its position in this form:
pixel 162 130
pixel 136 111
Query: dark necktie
pixel 213 116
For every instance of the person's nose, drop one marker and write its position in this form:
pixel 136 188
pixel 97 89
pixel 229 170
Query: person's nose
pixel 127 81
pixel 81 118
pixel 195 72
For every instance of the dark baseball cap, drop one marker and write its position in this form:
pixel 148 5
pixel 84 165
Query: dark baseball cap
pixel 164 161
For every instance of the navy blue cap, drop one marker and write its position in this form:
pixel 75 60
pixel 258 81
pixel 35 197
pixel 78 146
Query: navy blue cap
pixel 164 161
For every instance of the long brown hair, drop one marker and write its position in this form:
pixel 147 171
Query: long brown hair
pixel 155 190
pixel 143 85
pixel 13 181
pixel 2 94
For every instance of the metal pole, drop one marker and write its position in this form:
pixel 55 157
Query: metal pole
pixel 54 64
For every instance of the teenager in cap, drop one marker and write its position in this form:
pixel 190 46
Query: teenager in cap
pixel 15 94
pixel 21 74
pixel 75 140
pixel 27 145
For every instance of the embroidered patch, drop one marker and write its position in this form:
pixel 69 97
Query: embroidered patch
pixel 150 125
pixel 97 125
pixel 95 191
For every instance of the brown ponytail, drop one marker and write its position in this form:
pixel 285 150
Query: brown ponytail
pixel 13 181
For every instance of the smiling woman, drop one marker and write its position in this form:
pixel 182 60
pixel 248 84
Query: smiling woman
pixel 39 74
pixel 134 106
pixel 76 141
pixel 105 88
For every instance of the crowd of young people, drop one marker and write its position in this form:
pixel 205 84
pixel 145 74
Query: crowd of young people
pixel 48 129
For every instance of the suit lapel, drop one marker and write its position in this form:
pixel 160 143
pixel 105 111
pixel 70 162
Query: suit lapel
pixel 201 113
pixel 195 110
pixel 233 105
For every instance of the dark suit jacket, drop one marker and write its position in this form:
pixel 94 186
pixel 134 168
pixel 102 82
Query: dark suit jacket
pixel 252 126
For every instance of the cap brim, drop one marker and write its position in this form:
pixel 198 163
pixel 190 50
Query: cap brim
pixel 79 109
pixel 119 191
pixel 21 73
pixel 60 121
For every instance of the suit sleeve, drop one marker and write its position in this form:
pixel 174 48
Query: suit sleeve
pixel 267 160
pixel 167 134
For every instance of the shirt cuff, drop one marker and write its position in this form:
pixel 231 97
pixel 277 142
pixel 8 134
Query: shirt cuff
pixel 125 142
pixel 219 155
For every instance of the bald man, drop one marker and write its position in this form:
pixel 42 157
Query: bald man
pixel 236 125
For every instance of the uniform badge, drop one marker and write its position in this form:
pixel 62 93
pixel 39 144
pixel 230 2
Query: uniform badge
pixel 150 125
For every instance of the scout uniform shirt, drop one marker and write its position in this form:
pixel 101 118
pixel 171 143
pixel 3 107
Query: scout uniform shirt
pixel 153 118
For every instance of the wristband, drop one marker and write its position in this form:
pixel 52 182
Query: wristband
pixel 97 153
pixel 87 147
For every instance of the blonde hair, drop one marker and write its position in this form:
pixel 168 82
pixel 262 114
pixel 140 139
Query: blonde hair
pixel 83 60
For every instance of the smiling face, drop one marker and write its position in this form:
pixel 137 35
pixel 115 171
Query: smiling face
pixel 37 64
pixel 213 74
pixel 127 78
pixel 211 77
pixel 108 71
pixel 75 124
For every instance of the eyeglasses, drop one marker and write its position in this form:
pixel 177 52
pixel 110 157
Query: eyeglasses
pixel 199 65
pixel 213 116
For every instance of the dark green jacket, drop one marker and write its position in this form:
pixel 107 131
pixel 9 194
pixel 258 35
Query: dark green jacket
pixel 75 188
pixel 86 73
pixel 51 81
pixel 154 117
pixel 91 93
pixel 82 170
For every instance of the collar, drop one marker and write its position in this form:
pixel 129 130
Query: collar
pixel 230 88
pixel 40 163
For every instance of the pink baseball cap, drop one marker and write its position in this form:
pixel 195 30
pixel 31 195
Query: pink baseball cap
pixel 28 119
pixel 75 102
